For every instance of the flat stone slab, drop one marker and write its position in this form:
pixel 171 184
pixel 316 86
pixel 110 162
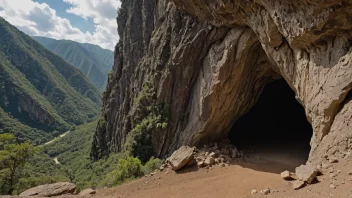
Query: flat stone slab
pixel 50 190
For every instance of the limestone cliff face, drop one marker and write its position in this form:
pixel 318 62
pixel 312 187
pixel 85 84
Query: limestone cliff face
pixel 204 63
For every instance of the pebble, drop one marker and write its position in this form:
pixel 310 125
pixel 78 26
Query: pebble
pixel 326 166
pixel 265 191
pixel 212 154
pixel 333 175
pixel 286 175
pixel 254 191
pixel 297 184
pixel 332 186
pixel 333 160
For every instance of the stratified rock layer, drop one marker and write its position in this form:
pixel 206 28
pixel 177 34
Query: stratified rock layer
pixel 208 61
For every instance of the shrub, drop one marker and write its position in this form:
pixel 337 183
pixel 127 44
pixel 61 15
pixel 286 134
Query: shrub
pixel 151 117
pixel 139 142
pixel 127 169
pixel 152 165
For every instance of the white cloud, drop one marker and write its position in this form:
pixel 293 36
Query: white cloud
pixel 41 20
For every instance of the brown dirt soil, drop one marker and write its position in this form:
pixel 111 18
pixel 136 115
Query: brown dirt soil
pixel 258 170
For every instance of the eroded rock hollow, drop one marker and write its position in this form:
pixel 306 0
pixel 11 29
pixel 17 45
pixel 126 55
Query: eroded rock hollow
pixel 186 70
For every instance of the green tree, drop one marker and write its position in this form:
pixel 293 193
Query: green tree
pixel 13 158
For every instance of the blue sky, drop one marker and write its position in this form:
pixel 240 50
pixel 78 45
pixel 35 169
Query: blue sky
pixel 60 6
pixel 85 21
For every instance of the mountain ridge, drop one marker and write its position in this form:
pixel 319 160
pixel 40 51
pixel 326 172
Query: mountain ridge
pixel 94 61
pixel 41 95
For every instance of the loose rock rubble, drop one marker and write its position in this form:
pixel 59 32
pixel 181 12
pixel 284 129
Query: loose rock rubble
pixel 221 154
pixel 305 174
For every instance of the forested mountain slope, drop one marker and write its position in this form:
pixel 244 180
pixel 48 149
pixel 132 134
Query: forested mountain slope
pixel 41 95
pixel 92 60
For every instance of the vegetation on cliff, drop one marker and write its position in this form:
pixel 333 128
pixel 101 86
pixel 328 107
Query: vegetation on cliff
pixel 151 117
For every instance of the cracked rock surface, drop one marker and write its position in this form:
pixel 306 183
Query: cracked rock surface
pixel 208 61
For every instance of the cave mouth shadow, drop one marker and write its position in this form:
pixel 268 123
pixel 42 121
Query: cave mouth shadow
pixel 275 134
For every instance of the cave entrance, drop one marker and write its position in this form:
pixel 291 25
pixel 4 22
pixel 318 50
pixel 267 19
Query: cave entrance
pixel 276 129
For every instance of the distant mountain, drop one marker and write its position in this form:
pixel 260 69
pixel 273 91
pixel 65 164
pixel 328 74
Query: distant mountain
pixel 41 95
pixel 92 60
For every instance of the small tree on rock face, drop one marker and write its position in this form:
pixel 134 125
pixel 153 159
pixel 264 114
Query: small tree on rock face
pixel 13 158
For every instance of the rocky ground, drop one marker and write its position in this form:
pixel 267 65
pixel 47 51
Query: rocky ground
pixel 256 173
pixel 250 176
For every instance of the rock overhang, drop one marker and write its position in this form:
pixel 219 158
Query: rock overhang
pixel 209 61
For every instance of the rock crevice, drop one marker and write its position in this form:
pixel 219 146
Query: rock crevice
pixel 206 64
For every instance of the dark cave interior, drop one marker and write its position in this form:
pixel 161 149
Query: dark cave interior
pixel 276 122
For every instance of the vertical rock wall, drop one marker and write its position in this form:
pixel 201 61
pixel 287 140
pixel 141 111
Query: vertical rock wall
pixel 186 70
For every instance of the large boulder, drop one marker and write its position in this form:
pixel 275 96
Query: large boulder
pixel 306 173
pixel 181 158
pixel 50 190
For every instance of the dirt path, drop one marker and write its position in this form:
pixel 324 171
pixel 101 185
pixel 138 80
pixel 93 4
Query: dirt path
pixel 56 160
pixel 61 136
pixel 55 139
pixel 235 181
pixel 259 170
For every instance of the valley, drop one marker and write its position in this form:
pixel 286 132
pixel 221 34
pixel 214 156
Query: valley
pixel 176 98
pixel 42 96
pixel 92 60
